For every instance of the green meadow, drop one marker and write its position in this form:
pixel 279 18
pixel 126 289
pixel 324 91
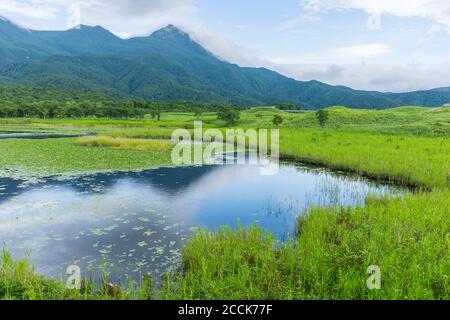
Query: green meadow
pixel 407 237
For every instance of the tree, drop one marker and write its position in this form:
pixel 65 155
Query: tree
pixel 156 113
pixel 72 110
pixel 277 120
pixel 322 117
pixel 198 112
pixel 229 115
pixel 51 109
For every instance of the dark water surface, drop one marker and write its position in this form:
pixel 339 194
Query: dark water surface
pixel 133 223
pixel 40 135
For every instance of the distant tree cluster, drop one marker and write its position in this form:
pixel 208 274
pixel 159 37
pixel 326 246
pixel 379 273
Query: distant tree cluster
pixel 36 102
pixel 322 116
pixel 229 114
pixel 277 120
pixel 50 109
pixel 289 106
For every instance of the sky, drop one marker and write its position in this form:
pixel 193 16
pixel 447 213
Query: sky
pixel 382 45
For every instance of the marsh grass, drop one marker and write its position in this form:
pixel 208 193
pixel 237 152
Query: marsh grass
pixel 19 281
pixel 406 237
pixel 235 264
pixel 136 133
pixel 123 143
pixel 406 160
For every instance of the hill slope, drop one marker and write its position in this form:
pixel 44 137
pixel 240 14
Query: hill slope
pixel 167 65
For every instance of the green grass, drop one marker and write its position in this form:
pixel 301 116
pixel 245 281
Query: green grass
pixel 151 133
pixel 56 156
pixel 407 238
pixel 407 160
pixel 123 143
pixel 405 120
pixel 19 281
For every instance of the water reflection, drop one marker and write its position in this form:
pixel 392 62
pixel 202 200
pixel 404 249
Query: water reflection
pixel 131 223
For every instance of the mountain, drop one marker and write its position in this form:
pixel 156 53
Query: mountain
pixel 167 65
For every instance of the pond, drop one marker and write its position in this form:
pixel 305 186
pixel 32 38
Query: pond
pixel 40 135
pixel 134 223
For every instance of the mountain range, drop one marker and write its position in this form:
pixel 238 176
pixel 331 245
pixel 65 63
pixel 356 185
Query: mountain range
pixel 168 65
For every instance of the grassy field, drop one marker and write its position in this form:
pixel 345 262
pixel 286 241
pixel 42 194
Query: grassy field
pixel 405 120
pixel 408 238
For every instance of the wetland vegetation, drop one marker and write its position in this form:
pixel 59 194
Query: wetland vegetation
pixel 327 258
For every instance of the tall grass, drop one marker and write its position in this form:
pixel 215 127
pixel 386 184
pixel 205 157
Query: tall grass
pixel 408 160
pixel 407 238
pixel 19 281
pixel 123 143
pixel 239 264
pixel 153 133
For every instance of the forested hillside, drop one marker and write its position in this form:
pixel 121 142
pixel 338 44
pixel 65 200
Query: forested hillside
pixel 167 65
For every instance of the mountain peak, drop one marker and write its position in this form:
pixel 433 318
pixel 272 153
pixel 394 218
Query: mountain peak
pixel 12 23
pixel 87 27
pixel 94 31
pixel 2 18
pixel 170 32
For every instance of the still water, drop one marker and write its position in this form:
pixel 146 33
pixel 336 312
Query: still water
pixel 40 135
pixel 135 223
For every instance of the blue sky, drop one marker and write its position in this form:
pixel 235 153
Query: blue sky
pixel 400 45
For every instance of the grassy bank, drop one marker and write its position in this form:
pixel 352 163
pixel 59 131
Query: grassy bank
pixel 407 160
pixel 407 238
pixel 18 281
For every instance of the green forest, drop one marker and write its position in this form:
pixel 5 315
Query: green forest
pixel 48 103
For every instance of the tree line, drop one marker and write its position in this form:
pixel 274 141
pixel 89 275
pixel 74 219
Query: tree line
pixel 30 102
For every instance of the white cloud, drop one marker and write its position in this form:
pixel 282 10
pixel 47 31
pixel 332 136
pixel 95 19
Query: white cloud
pixel 435 10
pixel 435 28
pixel 372 76
pixel 128 15
pixel 32 9
pixel 292 23
pixel 123 17
pixel 224 48
pixel 366 51
pixel 351 54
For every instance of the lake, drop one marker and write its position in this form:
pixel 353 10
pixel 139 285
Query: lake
pixel 133 223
